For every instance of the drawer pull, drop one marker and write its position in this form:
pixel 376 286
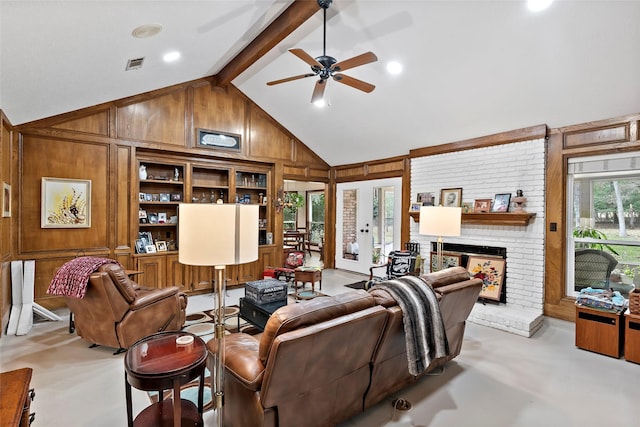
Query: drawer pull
pixel 32 394
pixel 32 417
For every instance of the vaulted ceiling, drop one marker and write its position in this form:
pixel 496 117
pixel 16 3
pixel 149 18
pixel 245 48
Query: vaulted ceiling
pixel 471 68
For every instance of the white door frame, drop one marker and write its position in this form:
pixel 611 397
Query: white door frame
pixel 364 221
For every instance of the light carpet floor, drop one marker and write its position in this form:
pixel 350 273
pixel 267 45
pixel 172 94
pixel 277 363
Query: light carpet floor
pixel 499 380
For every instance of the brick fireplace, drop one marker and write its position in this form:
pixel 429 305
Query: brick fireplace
pixel 482 173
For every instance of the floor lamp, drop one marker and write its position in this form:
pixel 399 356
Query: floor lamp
pixel 218 235
pixel 440 221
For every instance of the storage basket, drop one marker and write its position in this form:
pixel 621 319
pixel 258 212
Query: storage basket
pixel 634 301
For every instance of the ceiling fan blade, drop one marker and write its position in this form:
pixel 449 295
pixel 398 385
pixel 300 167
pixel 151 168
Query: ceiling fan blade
pixel 306 57
pixel 288 79
pixel 356 61
pixel 353 82
pixel 318 90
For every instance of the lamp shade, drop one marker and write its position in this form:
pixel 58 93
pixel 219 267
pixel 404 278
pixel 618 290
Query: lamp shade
pixel 440 220
pixel 217 234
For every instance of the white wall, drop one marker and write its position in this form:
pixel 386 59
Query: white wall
pixel 481 173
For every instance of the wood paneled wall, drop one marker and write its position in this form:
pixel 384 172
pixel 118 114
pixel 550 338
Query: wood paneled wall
pixel 6 223
pixel 391 167
pixel 100 143
pixel 594 138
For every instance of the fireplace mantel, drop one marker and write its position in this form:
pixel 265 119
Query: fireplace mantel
pixel 491 218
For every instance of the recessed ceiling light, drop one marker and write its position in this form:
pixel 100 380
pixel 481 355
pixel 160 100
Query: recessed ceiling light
pixel 394 67
pixel 320 103
pixel 146 30
pixel 171 56
pixel 538 5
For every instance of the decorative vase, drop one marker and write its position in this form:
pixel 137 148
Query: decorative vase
pixel 519 201
pixel 142 172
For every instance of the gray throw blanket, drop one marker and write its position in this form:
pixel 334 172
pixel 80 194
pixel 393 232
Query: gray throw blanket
pixel 423 326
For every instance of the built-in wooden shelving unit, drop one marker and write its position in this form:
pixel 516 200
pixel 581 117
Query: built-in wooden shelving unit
pixel 491 218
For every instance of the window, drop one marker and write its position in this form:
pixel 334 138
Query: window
pixel 316 216
pixel 605 200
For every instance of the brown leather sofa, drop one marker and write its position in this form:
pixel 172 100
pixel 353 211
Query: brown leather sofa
pixel 456 295
pixel 322 361
pixel 116 312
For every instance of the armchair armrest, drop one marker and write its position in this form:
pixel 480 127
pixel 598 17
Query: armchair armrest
pixel 242 359
pixel 373 267
pixel 146 298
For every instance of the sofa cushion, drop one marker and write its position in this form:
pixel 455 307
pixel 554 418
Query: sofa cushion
pixel 294 316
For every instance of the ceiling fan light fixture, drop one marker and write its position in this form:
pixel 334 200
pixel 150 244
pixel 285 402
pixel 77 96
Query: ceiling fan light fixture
pixel 326 67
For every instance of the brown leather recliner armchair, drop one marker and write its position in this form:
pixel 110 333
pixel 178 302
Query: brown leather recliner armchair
pixel 116 312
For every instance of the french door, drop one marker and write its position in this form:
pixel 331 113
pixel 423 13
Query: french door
pixel 368 219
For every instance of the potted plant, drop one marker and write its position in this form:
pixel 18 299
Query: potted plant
pixel 592 233
pixel 293 201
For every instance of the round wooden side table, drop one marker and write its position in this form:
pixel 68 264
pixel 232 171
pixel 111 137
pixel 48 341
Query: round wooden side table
pixel 160 362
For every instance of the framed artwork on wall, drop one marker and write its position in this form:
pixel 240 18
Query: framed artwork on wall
pixel 66 203
pixel 219 140
pixel 451 197
pixel 491 271
pixel 448 260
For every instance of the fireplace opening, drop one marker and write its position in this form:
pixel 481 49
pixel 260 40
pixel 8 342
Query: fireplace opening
pixel 470 250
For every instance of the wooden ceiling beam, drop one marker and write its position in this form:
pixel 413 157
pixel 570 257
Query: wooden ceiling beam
pixel 288 21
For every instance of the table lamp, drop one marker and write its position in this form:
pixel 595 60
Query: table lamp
pixel 218 235
pixel 440 221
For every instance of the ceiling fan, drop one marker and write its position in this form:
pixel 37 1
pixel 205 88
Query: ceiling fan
pixel 327 66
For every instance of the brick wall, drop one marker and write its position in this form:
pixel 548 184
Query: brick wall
pixel 481 173
pixel 349 219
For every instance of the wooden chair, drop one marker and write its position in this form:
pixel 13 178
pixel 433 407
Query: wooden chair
pixel 399 263
pixel 292 260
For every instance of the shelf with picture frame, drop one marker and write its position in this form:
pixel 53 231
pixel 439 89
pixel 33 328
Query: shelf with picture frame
pixel 490 218
pixel 166 181
pixel 161 187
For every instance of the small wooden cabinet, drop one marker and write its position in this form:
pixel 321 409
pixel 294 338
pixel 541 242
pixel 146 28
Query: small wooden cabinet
pixel 599 331
pixel 15 405
pixel 632 337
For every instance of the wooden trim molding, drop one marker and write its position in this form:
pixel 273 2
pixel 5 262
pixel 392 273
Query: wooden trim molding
pixel 378 169
pixel 491 218
pixel 587 139
pixel 524 134
pixel 608 134
pixel 288 21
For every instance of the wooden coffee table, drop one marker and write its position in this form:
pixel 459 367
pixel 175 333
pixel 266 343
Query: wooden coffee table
pixel 158 362
pixel 307 275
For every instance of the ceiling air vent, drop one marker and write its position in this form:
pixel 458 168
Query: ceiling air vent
pixel 134 64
